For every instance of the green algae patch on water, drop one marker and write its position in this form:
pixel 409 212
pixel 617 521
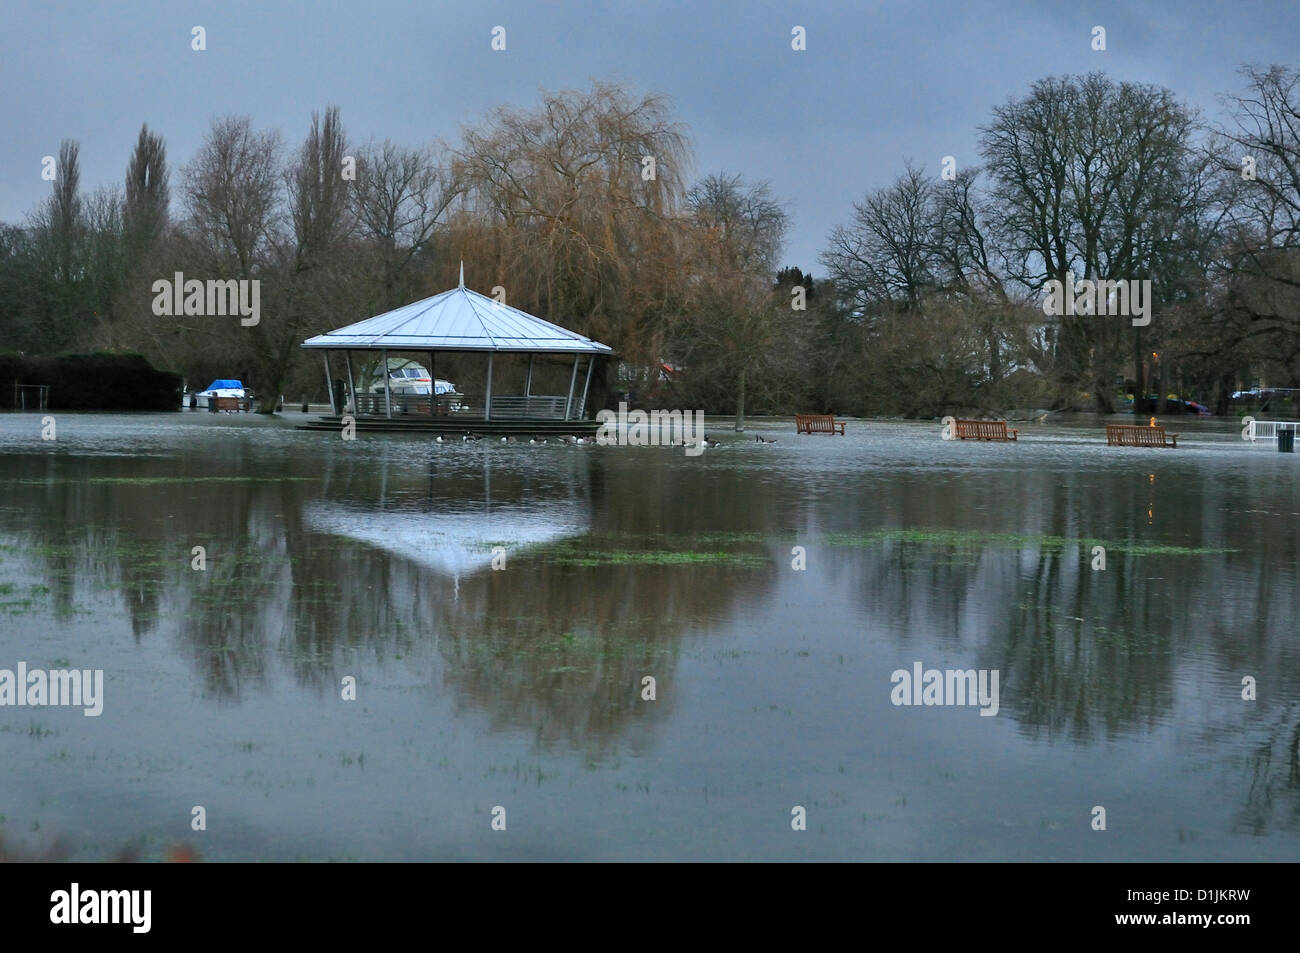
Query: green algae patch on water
pixel 659 557
pixel 968 539
pixel 725 550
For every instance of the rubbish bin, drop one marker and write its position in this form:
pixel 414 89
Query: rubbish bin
pixel 1286 441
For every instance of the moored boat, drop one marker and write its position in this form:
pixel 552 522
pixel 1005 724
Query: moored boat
pixel 222 387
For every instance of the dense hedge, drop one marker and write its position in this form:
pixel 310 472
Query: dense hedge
pixel 97 381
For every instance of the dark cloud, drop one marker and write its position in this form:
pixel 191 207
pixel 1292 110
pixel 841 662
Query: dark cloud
pixel 878 82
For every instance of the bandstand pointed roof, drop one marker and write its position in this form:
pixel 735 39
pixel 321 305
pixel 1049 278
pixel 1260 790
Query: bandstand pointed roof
pixel 458 320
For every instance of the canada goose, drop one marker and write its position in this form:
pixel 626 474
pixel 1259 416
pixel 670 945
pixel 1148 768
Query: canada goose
pixel 535 440
pixel 438 439
pixel 761 439
pixel 709 443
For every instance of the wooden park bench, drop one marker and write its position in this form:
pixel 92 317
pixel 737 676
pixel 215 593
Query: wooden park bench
pixel 230 404
pixel 817 423
pixel 1131 435
pixel 984 430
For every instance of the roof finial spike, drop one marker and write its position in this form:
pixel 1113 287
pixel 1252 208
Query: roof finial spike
pixel 462 273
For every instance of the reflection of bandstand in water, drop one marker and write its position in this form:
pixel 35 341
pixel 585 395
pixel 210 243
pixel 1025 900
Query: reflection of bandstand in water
pixel 451 519
pixel 461 322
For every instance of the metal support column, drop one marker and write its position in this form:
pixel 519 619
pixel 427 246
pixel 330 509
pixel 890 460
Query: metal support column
pixel 528 385
pixel 388 389
pixel 528 380
pixel 329 382
pixel 352 387
pixel 582 405
pixel 573 380
pixel 487 399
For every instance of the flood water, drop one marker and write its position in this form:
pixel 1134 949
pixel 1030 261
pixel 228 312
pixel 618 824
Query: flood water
pixel 522 687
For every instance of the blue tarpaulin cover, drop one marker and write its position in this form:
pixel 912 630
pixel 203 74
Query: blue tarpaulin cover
pixel 225 385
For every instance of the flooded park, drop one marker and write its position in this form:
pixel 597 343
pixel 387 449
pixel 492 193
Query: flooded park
pixel 496 608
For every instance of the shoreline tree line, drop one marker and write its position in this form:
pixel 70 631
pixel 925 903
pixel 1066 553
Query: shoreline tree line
pixel 583 207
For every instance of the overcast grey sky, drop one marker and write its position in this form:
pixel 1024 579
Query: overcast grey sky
pixel 879 81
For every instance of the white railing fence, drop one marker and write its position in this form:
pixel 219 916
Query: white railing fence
pixel 1266 430
pixel 470 406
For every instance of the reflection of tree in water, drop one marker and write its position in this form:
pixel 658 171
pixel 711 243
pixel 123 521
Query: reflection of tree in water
pixel 1025 611
pixel 546 646
pixel 83 527
pixel 563 653
pixel 516 645
pixel 1272 778
pixel 1089 655
pixel 234 606
pixel 1260 738
pixel 1078 659
pixel 1083 655
pixel 560 649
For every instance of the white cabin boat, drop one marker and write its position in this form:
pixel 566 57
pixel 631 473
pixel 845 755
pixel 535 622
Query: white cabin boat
pixel 219 388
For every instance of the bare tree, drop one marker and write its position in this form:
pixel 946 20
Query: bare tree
pixel 1257 153
pixel 232 194
pixel 66 219
pixel 883 259
pixel 968 260
pixel 581 197
pixel 918 276
pixel 310 273
pixel 1085 172
pixel 1264 128
pixel 400 198
pixel 321 213
pixel 76 245
pixel 148 191
pixel 104 262
pixel 738 230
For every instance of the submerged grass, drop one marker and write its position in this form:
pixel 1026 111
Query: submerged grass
pixel 621 549
pixel 657 557
pixel 969 538
pixel 706 548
